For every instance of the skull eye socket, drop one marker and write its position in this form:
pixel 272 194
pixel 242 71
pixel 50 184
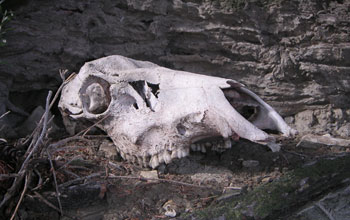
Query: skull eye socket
pixel 95 95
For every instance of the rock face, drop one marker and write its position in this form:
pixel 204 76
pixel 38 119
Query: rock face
pixel 336 201
pixel 295 54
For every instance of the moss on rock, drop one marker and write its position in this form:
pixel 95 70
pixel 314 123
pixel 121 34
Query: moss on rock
pixel 291 191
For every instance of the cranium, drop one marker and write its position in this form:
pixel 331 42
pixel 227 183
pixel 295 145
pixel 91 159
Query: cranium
pixel 154 114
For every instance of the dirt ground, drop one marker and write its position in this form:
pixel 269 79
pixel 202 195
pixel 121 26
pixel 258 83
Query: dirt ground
pixel 94 183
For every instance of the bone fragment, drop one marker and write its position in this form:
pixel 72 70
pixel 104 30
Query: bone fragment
pixel 154 162
pixel 167 157
pixel 174 154
pixel 160 158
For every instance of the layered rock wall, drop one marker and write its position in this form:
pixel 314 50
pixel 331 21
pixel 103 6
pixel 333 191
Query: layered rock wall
pixel 294 53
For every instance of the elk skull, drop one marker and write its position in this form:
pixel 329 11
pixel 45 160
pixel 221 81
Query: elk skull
pixel 154 114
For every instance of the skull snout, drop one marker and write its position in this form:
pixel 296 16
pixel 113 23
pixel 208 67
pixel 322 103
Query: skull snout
pixel 156 114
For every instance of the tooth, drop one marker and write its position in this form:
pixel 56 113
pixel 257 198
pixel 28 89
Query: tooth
pixel 167 157
pixel 179 153
pixel 193 147
pixel 174 154
pixel 145 160
pixel 199 147
pixel 154 161
pixel 122 154
pixel 187 151
pixel 183 152
pixel 203 149
pixel 228 143
pixel 160 157
pixel 139 161
pixel 208 144
pixel 172 147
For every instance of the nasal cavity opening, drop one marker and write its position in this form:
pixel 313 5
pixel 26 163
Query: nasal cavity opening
pixel 148 92
pixel 248 112
pixel 242 103
pixel 154 88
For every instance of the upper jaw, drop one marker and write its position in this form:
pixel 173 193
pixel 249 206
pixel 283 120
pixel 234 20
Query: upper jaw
pixel 230 111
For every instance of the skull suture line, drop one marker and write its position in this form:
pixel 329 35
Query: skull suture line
pixel 154 114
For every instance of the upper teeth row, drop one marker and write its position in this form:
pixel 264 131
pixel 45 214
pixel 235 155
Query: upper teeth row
pixel 214 145
pixel 153 161
pixel 167 156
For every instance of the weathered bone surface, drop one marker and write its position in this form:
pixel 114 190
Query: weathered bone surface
pixel 154 114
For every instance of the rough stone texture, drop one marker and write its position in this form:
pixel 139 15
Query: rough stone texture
pixel 295 54
pixel 333 206
pixel 315 141
pixel 326 181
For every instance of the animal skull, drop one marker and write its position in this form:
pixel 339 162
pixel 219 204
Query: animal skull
pixel 154 114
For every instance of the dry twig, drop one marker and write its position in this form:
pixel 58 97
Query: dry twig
pixel 42 134
pixel 65 81
pixel 40 181
pixel 68 162
pixel 55 180
pixel 22 195
pixel 3 115
pixel 39 196
pixel 37 138
pixel 161 180
pixel 295 153
pixel 36 142
pixel 68 183
pixel 67 172
pixel 8 176
pixel 85 131
pixel 53 147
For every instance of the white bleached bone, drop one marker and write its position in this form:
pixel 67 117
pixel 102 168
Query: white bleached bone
pixel 147 109
pixel 154 162
pixel 167 157
pixel 160 157
pixel 173 154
